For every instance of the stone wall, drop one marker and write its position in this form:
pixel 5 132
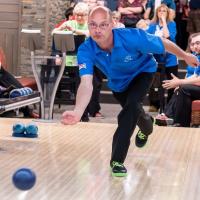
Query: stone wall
pixel 43 15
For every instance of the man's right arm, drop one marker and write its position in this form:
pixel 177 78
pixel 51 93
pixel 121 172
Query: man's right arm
pixel 174 49
pixel 84 94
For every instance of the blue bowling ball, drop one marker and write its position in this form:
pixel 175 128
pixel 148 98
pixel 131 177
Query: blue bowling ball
pixel 24 179
pixel 15 93
pixel 31 129
pixel 28 90
pixel 20 92
pixel 18 128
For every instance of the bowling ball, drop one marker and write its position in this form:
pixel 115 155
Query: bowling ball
pixel 28 90
pixel 18 128
pixel 24 179
pixel 31 128
pixel 15 93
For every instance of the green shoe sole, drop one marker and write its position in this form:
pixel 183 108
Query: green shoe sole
pixel 119 174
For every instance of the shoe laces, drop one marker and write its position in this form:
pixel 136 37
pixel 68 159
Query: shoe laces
pixel 141 135
pixel 114 163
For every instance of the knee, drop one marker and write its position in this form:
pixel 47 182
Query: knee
pixel 183 90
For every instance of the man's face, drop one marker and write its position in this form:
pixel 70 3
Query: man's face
pixel 195 44
pixel 100 26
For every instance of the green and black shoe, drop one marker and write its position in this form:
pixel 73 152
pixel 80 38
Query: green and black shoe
pixel 140 139
pixel 118 169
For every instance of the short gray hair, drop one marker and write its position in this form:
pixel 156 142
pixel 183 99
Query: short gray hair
pixel 81 7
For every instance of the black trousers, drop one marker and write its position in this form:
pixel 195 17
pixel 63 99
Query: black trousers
pixel 165 73
pixel 186 94
pixel 170 108
pixel 132 114
pixel 7 79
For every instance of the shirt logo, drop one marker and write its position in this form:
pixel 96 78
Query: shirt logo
pixel 82 66
pixel 128 58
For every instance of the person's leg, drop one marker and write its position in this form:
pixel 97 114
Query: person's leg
pixel 8 79
pixel 170 108
pixel 186 94
pixel 131 101
pixel 154 97
pixel 145 123
pixel 167 118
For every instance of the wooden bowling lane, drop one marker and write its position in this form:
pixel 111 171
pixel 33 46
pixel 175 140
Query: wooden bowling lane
pixel 72 162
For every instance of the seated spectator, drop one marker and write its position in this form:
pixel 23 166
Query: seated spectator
pixel 131 12
pixel 7 80
pixel 163 25
pixel 79 24
pixel 116 16
pixel 186 91
pixel 152 5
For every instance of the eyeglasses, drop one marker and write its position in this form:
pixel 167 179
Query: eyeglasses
pixel 195 43
pixel 81 15
pixel 102 26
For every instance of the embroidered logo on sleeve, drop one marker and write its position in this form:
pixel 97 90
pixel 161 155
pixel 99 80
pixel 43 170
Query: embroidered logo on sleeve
pixel 82 66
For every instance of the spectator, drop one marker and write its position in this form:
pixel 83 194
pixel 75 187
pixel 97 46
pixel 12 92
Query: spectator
pixel 193 25
pixel 131 11
pixel 79 24
pixel 116 16
pixel 181 23
pixel 187 91
pixel 162 25
pixel 153 4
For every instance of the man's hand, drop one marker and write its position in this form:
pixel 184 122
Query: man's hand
pixel 191 60
pixel 70 118
pixel 173 83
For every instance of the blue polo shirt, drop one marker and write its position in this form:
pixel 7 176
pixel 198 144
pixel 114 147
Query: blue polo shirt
pixel 193 70
pixel 169 3
pixel 130 56
pixel 167 58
